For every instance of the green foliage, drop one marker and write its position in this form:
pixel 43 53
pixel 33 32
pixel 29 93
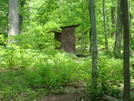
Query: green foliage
pixel 54 72
pixel 132 42
pixel 14 86
pixel 31 66
pixel 110 76
pixel 24 71
pixel 31 69
pixel 3 17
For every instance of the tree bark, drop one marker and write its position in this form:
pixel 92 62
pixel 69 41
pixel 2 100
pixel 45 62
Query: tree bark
pixel 125 20
pixel 21 4
pixel 12 18
pixel 113 18
pixel 94 49
pixel 118 37
pixel 105 27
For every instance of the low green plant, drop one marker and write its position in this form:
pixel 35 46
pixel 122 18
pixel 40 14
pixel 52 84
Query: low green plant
pixel 34 70
pixel 110 76
pixel 49 69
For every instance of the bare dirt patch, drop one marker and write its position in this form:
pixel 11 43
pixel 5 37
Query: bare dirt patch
pixel 70 95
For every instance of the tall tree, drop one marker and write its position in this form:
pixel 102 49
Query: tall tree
pixel 113 17
pixel 105 26
pixel 118 37
pixel 21 7
pixel 12 18
pixel 94 48
pixel 125 20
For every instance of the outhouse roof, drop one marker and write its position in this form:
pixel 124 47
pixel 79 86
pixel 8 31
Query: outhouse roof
pixel 70 26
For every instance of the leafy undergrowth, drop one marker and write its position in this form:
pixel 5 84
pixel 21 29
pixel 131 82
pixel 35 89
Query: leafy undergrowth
pixel 31 74
pixel 26 75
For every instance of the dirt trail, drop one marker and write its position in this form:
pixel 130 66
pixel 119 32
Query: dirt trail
pixel 79 95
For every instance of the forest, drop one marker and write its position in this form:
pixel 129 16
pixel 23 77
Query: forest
pixel 35 56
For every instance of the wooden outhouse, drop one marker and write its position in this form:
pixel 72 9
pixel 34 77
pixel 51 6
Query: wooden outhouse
pixel 67 38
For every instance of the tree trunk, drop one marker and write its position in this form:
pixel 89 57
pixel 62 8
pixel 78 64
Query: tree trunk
pixel 21 4
pixel 94 49
pixel 125 20
pixel 105 27
pixel 113 18
pixel 12 19
pixel 118 38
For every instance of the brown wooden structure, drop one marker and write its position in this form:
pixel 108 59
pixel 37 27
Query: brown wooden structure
pixel 67 38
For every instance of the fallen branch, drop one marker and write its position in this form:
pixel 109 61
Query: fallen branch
pixel 109 98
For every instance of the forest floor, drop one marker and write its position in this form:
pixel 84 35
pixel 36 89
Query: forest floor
pixel 70 95
pixel 73 92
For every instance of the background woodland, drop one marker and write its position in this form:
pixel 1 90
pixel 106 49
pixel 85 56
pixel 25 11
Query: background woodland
pixel 31 67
